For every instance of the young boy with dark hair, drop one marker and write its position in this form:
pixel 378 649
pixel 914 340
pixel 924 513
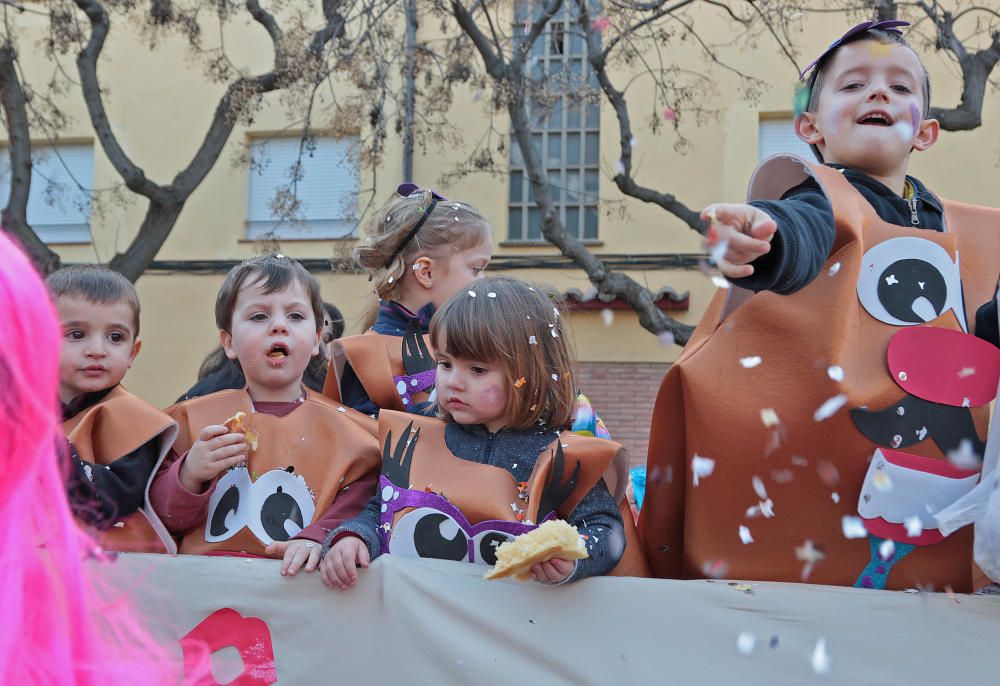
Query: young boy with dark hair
pixel 116 440
pixel 798 437
pixel 269 469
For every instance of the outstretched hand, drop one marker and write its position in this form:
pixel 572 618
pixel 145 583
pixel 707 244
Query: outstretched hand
pixel 745 230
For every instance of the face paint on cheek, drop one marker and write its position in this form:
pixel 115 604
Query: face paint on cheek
pixel 492 396
pixel 904 130
pixel 915 116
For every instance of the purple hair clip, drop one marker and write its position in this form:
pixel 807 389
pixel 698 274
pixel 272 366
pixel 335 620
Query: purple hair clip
pixel 405 190
pixel 890 25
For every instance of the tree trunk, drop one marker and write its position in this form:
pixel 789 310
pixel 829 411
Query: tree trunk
pixel 15 214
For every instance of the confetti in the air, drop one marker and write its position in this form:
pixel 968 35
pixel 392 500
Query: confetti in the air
pixel 964 456
pixel 886 550
pixel 665 338
pixel 745 535
pixel 914 526
pixel 966 371
pixel 758 487
pixel 607 316
pixel 836 373
pixel 830 407
pixel 619 168
pixel 701 467
pixel 532 340
pixel 491 294
pixel 472 294
pixel 828 473
pixel 853 527
pixel 719 281
pixel 769 417
pixel 718 252
pixel 821 662
pixel 810 555
pixel 715 569
pixel 835 497
pixel 745 642
pixel 750 362
pixel 834 268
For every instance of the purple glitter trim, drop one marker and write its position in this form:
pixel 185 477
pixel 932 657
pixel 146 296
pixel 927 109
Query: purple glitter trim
pixel 409 498
pixel 424 380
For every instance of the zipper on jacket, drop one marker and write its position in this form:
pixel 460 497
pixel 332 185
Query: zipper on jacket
pixel 914 217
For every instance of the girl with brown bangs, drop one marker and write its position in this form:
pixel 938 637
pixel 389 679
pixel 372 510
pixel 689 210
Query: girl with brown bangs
pixel 501 461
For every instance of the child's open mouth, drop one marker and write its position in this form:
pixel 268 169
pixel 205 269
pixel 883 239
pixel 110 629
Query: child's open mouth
pixel 278 351
pixel 876 119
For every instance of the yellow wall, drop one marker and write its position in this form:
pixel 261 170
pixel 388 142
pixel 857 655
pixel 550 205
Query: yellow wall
pixel 160 106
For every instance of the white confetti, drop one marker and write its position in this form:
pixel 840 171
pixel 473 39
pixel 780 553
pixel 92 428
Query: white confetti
pixel 750 362
pixel 834 268
pixel 472 294
pixel 827 409
pixel 758 487
pixel 922 433
pixel 719 281
pixel 767 508
pixel 701 467
pixel 718 252
pixel 836 373
pixel 745 642
pixel 769 417
pixel 966 371
pixel 632 142
pixel 853 527
pixel 665 338
pixel 886 550
pixel 491 294
pixel 964 456
pixel 820 658
pixel 554 332
pixel 555 311
pixel 532 340
pixel 555 377
pixel 914 526
pixel 342 410
pixel 745 535
pixel 607 316
pixel 835 497
pixel 619 168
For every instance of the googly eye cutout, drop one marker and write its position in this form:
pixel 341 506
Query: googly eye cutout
pixel 909 281
pixel 229 505
pixel 427 532
pixel 281 506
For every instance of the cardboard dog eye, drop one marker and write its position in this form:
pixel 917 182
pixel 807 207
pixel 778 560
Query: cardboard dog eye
pixel 426 532
pixel 281 505
pixel 228 507
pixel 908 281
pixel 486 544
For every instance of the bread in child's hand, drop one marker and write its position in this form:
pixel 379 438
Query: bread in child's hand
pixel 240 423
pixel 554 538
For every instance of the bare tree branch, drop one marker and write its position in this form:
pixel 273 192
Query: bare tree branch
pixel 15 214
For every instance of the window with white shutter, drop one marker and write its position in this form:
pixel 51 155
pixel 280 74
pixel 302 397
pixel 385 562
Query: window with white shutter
pixel 59 200
pixel 322 178
pixel 778 136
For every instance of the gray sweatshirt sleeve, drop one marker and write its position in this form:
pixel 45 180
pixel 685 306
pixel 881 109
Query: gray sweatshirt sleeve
pixel 364 526
pixel 597 517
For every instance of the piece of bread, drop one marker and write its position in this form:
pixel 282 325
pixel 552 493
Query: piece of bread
pixel 240 423
pixel 554 538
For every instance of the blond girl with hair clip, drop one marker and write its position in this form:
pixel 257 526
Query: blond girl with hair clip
pixel 501 461
pixel 421 250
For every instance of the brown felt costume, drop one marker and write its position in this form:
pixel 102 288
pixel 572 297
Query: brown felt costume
pixel 375 358
pixel 710 406
pixel 116 426
pixel 327 445
pixel 486 492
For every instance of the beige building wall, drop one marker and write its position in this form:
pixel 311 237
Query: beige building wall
pixel 160 105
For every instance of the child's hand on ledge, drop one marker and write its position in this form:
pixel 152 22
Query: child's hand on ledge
pixel 339 568
pixel 296 553
pixel 745 230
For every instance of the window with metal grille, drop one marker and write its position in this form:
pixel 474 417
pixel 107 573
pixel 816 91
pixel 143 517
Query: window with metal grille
pixel 565 112
pixel 309 195
pixel 62 178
